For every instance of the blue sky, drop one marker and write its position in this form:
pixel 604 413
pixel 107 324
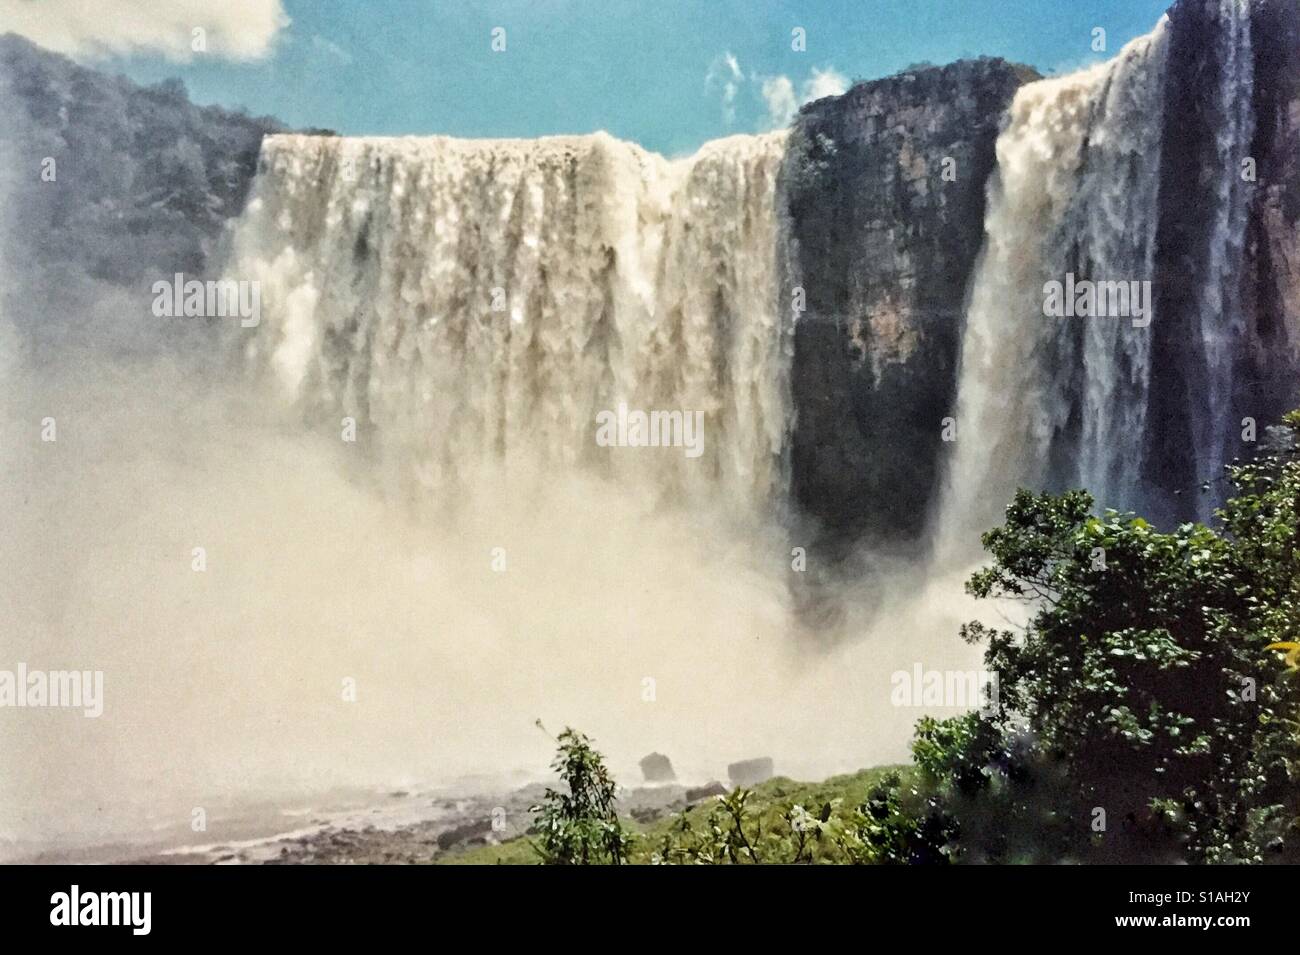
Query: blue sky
pixel 668 74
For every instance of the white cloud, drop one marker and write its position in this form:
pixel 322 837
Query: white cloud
pixel 778 94
pixel 782 103
pixel 827 82
pixel 232 29
pixel 725 72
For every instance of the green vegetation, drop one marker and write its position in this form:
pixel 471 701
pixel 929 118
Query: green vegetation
pixel 579 825
pixel 1141 715
pixel 767 808
pixel 1146 712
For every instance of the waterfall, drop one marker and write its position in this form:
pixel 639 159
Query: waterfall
pixel 1218 307
pixel 479 302
pixel 1047 401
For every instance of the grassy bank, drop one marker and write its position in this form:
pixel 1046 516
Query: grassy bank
pixel 769 803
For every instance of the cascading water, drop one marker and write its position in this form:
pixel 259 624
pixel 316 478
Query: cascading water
pixel 481 301
pixel 474 305
pixel 1045 400
pixel 1065 402
pixel 1219 318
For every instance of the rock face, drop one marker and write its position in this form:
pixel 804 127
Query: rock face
pixel 109 184
pixel 707 791
pixel 1257 313
pixel 1271 279
pixel 884 188
pixel 750 772
pixel 657 768
pixel 883 246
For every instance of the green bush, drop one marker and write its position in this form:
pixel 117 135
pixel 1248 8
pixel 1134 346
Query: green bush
pixel 1140 715
pixel 734 834
pixel 580 826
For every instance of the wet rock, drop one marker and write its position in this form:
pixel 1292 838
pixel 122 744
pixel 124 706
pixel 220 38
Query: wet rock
pixel 883 245
pixel 750 772
pixel 707 791
pixel 656 768
pixel 473 832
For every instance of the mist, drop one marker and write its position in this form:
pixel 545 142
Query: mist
pixel 399 611
pixel 229 682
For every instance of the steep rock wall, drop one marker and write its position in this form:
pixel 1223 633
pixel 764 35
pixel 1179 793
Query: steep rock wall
pixel 1271 279
pixel 883 247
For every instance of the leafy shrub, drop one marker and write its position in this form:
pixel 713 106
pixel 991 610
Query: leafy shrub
pixel 734 834
pixel 1140 715
pixel 896 826
pixel 580 826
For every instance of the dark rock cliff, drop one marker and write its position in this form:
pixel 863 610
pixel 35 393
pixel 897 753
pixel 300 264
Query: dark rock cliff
pixel 884 249
pixel 1271 278
pixel 883 246
pixel 1260 318
pixel 142 183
